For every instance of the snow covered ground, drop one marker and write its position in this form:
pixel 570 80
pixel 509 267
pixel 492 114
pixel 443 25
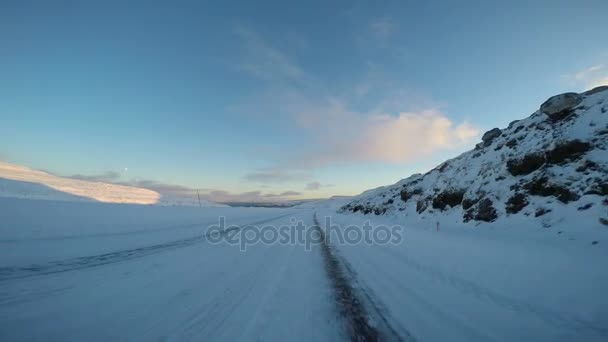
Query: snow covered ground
pixel 510 282
pixel 78 271
pixel 85 271
pixel 505 242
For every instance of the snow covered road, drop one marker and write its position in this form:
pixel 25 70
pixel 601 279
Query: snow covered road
pixel 189 291
pixel 88 271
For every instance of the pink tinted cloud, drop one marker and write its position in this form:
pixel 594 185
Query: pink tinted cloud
pixel 348 136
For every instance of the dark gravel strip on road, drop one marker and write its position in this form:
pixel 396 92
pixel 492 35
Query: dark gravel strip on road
pixel 349 305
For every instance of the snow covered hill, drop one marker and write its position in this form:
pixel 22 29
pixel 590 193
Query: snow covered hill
pixel 21 182
pixel 549 167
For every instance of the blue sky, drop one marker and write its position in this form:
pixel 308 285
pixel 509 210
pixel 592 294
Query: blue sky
pixel 253 100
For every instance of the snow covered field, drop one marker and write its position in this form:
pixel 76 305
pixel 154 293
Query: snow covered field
pixel 516 282
pixel 91 271
pixel 195 291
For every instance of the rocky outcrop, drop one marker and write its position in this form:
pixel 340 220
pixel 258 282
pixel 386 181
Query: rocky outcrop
pixel 538 166
pixel 451 198
pixel 490 135
pixel 516 203
pixel 567 151
pixel 559 106
pixel 526 165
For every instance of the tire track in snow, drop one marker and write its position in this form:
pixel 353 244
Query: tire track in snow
pixel 362 324
pixel 18 272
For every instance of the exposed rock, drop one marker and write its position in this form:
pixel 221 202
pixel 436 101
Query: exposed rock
pixel 567 151
pixel 542 187
pixel 380 211
pixel 541 212
pixel 405 195
pixel 421 205
pixel 511 143
pixel 516 203
pixel 599 188
pixel 444 167
pixel 484 211
pixel 513 123
pixel 528 164
pixel 490 135
pixel 468 203
pixel 588 165
pixel 585 207
pixel 596 90
pixel 602 188
pixel 556 106
pixel 446 198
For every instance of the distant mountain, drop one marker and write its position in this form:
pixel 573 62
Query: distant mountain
pixel 21 182
pixel 552 166
pixel 271 204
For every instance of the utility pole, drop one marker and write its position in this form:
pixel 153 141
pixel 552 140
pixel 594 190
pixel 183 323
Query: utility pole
pixel 199 198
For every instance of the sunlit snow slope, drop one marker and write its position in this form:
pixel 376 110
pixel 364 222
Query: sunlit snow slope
pixel 549 167
pixel 21 182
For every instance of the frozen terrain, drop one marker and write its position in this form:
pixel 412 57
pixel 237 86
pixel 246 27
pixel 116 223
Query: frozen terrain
pixel 90 271
pixel 507 282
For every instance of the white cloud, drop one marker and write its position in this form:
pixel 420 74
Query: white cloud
pixel 602 81
pixel 222 196
pixel 288 193
pixel 382 28
pixel 397 124
pixel 317 185
pixel 592 77
pixel 112 180
pixel 411 135
pixel 583 75
pixel 313 186
pixel 266 62
pixel 349 136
